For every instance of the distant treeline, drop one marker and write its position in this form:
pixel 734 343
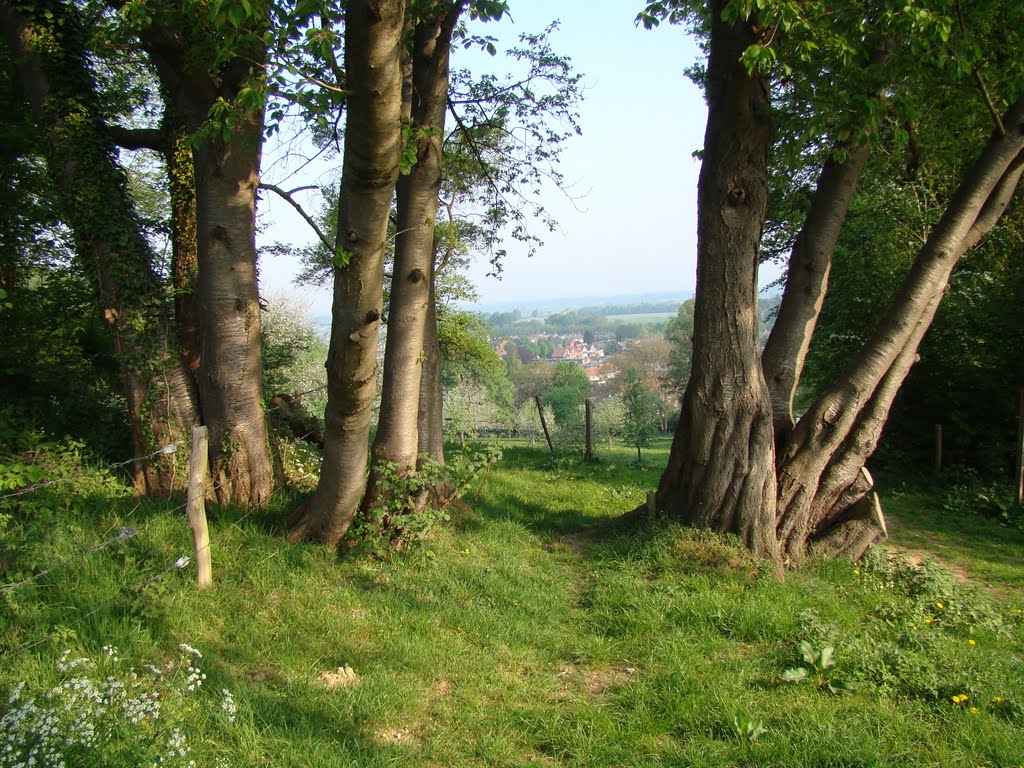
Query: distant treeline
pixel 643 308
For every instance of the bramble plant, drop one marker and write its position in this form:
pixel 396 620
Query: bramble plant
pixel 402 519
pixel 104 713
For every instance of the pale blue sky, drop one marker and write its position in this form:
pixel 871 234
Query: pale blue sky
pixel 632 228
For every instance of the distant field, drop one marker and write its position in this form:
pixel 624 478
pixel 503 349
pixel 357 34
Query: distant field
pixel 642 317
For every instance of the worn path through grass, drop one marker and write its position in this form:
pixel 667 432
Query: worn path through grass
pixel 535 630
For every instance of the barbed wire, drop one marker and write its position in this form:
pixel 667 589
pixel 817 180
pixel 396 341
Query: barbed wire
pixel 165 450
pixel 179 564
pixel 122 535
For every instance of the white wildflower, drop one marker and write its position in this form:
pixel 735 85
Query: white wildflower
pixel 228 705
pixel 186 648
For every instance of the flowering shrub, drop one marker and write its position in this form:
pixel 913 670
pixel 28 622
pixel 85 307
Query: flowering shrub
pixel 102 713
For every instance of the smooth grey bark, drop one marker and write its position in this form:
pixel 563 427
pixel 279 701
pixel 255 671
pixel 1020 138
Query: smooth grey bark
pixel 397 438
pixel 373 46
pixel 226 291
pixel 430 426
pixel 721 468
pixel 48 42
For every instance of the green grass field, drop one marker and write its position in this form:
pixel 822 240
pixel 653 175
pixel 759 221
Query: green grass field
pixel 641 317
pixel 534 629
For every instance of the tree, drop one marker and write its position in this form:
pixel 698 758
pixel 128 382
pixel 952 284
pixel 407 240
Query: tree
pixel 810 488
pixel 212 74
pixel 397 440
pixel 48 42
pixel 641 410
pixel 373 33
pixel 679 334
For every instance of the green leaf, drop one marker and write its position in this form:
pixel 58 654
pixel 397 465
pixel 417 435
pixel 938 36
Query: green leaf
pixel 827 660
pixel 810 655
pixel 795 675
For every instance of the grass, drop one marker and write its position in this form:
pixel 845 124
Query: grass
pixel 536 630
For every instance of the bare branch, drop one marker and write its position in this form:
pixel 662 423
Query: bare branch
pixel 291 201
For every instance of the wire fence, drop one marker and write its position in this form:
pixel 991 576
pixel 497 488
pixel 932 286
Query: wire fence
pixel 123 534
pixel 165 450
pixel 179 564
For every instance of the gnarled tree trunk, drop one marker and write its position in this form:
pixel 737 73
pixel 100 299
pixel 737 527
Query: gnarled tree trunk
pixel 820 464
pixel 373 42
pixel 721 469
pixel 807 282
pixel 721 473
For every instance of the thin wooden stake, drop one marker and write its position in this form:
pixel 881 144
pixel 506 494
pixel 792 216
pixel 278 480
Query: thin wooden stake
pixel 197 472
pixel 937 464
pixel 1020 447
pixel 589 410
pixel 544 424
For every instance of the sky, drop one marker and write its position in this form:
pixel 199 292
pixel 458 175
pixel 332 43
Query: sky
pixel 630 226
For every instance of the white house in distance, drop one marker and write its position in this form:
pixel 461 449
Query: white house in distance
pixel 579 352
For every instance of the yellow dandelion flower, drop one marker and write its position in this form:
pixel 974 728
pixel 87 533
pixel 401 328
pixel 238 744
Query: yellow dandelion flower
pixel 856 571
pixel 915 627
pixel 971 642
pixel 940 606
pixel 997 699
pixel 974 710
pixel 927 621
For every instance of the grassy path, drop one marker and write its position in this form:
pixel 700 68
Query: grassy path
pixel 533 631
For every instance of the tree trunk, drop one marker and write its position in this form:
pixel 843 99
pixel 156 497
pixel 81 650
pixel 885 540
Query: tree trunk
pixel 807 282
pixel 721 468
pixel 397 440
pixel 226 177
pixel 230 372
pixel 822 460
pixel 431 417
pixel 80 156
pixel 184 241
pixel 373 42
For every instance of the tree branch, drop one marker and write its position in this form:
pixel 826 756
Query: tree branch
pixel 139 138
pixel 291 201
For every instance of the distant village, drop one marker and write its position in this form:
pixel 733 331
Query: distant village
pixel 571 348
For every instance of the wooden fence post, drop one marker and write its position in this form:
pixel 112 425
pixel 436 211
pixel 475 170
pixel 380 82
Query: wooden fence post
pixel 198 468
pixel 937 464
pixel 544 424
pixel 1019 479
pixel 589 411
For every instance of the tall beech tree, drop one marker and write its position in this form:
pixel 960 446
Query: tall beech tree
pixel 211 64
pixel 737 464
pixel 501 151
pixel 373 137
pixel 48 43
pixel 397 439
